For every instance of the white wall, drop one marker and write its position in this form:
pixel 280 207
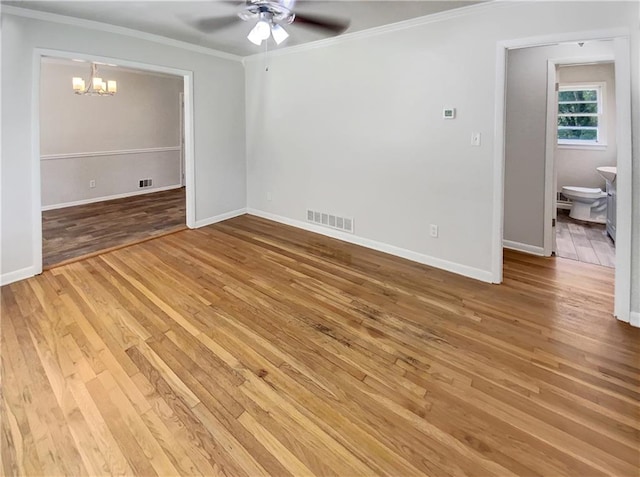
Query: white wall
pixel 577 166
pixel 525 143
pixel 114 140
pixel 218 95
pixel 355 127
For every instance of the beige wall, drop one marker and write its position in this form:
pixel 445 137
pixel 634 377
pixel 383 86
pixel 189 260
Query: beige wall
pixel 144 115
pixel 525 142
pixel 577 166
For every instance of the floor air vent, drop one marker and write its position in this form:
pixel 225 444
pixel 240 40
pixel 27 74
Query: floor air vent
pixel 328 220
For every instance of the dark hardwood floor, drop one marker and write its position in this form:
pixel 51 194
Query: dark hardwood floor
pixel 250 348
pixel 83 230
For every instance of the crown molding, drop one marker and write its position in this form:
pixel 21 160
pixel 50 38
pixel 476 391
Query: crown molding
pixel 106 27
pixel 392 27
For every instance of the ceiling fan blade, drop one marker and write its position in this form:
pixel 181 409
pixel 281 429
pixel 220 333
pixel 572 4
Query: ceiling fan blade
pixel 334 25
pixel 209 25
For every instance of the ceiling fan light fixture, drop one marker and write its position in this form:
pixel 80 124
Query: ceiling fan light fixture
pixel 254 36
pixel 261 30
pixel 279 33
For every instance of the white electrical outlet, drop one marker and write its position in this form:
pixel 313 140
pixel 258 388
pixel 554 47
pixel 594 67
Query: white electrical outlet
pixel 433 230
pixel 475 139
pixel 92 184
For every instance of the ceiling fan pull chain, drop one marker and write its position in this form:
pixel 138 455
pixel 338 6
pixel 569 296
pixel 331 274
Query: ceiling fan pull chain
pixel 266 54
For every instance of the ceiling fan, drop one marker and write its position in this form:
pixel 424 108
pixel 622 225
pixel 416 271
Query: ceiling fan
pixel 270 16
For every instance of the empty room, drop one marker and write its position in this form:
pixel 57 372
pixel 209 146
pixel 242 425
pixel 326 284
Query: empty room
pixel 371 269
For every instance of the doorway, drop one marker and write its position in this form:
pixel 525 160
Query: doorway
pixel 541 222
pixel 169 194
pixel 581 121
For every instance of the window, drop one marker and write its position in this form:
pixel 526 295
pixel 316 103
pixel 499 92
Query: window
pixel 580 110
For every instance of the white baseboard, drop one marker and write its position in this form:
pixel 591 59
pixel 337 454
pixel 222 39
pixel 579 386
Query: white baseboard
pixel 634 319
pixel 109 197
pixel 220 218
pixel 471 272
pixel 523 247
pixel 17 275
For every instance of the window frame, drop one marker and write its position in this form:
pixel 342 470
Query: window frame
pixel 601 137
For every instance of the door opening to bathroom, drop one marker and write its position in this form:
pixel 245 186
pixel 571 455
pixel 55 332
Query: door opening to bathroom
pixel 581 138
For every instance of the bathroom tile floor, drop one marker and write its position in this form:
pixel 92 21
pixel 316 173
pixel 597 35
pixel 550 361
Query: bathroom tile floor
pixel 583 241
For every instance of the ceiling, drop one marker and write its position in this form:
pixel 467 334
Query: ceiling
pixel 172 19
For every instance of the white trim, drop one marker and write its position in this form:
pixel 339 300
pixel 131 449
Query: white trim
pixel 471 272
pixel 220 218
pixel 624 183
pixel 109 197
pixel 620 36
pixel 18 275
pixel 392 27
pixel 584 147
pixel 189 150
pixel 36 193
pixel 88 57
pixel 523 247
pixel 497 252
pixel 569 37
pixel 634 319
pixel 551 140
pixel 118 30
pixel 71 155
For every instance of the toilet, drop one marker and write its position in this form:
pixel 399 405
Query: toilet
pixel 587 204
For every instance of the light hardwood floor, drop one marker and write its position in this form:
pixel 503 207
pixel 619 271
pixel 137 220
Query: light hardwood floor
pixel 250 348
pixel 83 230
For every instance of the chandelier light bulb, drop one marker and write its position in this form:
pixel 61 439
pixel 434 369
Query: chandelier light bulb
pixel 97 86
pixel 78 84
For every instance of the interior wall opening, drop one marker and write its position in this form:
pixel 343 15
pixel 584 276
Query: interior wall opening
pixel 112 160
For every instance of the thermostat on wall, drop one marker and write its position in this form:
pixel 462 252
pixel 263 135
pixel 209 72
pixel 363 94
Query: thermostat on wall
pixel 449 113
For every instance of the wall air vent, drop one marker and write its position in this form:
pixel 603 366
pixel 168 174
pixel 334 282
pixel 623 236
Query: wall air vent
pixel 329 220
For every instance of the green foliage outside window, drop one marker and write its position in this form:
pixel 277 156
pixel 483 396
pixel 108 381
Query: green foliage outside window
pixel 578 115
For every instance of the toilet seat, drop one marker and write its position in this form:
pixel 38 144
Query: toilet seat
pixel 585 192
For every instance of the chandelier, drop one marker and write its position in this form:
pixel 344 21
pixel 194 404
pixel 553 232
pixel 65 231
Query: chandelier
pixel 96 87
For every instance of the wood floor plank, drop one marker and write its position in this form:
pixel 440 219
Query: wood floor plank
pixel 253 348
